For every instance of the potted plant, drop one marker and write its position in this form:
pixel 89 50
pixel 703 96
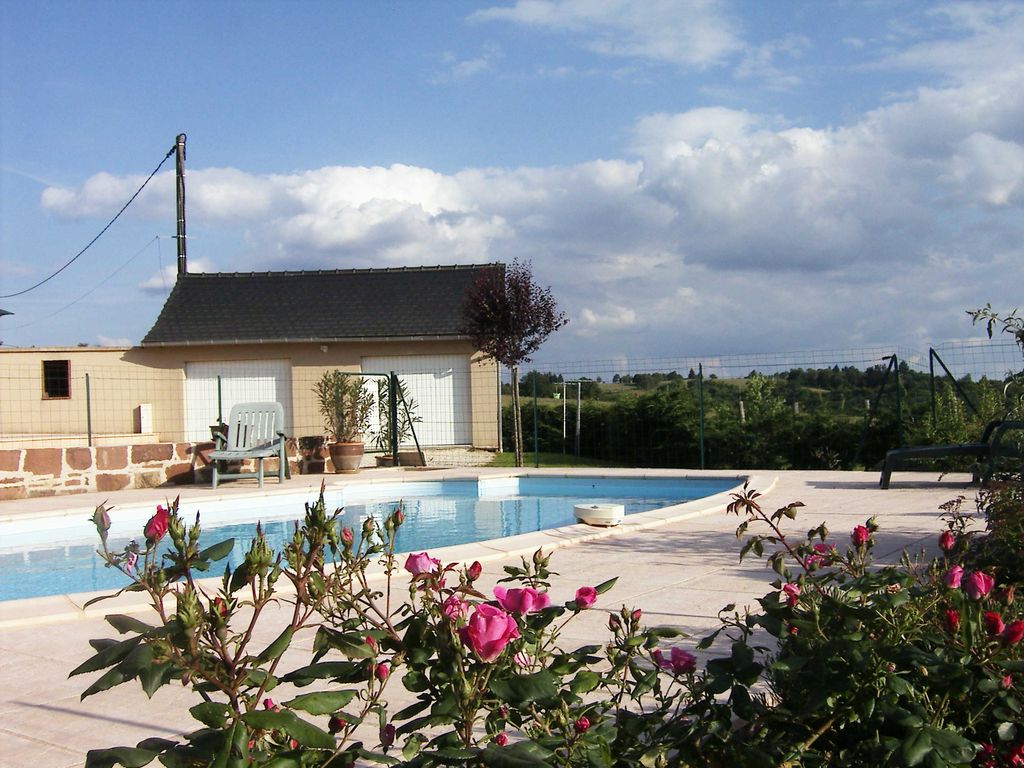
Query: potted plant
pixel 345 405
pixel 403 428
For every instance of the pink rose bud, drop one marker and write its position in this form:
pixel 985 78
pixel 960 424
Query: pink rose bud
pixel 347 538
pixel 501 739
pixel 993 623
pixel 455 608
pixel 1007 682
pixel 952 620
pixel 977 584
pixel 474 571
pixel 635 615
pixel 381 672
pixel 953 577
pixel 157 525
pixel 1014 632
pixel 422 563
pixel 860 536
pixel 520 601
pixel 488 631
pixel 371 642
pixel 947 541
pixel 268 703
pixel 398 517
pixel 582 725
pixel 220 607
pixel 387 735
pixel 335 724
pixel 585 597
pixel 792 593
pixel 613 622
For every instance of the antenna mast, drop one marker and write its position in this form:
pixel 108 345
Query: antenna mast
pixel 179 152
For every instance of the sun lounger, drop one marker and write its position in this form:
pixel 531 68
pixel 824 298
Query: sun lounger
pixel 255 431
pixel 986 451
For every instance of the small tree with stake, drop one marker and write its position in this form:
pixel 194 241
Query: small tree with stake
pixel 508 317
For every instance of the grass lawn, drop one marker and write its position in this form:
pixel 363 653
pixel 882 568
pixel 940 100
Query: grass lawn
pixel 508 459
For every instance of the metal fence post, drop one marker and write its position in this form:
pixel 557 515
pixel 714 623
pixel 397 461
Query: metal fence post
pixel 393 415
pixel 536 433
pixel 700 410
pixel 88 410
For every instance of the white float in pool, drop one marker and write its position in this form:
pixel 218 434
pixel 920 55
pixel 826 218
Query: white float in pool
pixel 605 515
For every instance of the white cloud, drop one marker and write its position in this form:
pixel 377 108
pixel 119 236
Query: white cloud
pixel 161 282
pixel 461 69
pixel 106 341
pixel 689 33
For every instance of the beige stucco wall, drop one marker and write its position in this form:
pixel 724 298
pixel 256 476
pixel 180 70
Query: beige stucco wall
pixel 123 378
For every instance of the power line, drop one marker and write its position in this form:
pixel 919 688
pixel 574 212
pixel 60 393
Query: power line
pixel 93 289
pixel 109 224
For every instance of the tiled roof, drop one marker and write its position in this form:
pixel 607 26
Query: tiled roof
pixel 330 305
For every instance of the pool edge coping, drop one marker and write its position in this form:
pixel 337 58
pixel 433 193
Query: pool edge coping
pixel 72 607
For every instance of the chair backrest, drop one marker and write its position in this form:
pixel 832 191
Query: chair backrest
pixel 254 424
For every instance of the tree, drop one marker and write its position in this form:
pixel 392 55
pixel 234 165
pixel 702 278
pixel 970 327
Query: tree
pixel 508 317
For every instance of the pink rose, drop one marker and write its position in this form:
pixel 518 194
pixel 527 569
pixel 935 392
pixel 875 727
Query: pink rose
pixel 381 672
pixel 524 600
pixel 488 631
pixel 422 563
pixel 1014 632
pixel 977 584
pixel 157 525
pixel 474 571
pixel 582 725
pixel 860 535
pixel 585 597
pixel 455 608
pixel 953 577
pixel 947 541
pixel 501 739
pixel 679 661
pixel 792 593
pixel 993 623
pixel 952 620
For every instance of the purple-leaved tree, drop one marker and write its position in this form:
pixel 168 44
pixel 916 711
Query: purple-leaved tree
pixel 508 316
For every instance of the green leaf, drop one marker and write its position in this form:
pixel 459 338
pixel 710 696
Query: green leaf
pixel 521 754
pixel 305 733
pixel 211 713
pixel 412 745
pixel 604 586
pixel 350 644
pixel 239 578
pixel 321 703
pixel 153 677
pixel 915 748
pixel 1006 731
pixel 217 551
pixel 343 671
pixel 276 648
pixel 284 761
pixel 129 757
pixel 123 623
pixel 585 681
pixel 110 679
pixel 108 656
pixel 518 690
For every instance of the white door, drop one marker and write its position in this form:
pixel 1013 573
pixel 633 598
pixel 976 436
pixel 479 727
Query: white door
pixel 241 381
pixel 440 386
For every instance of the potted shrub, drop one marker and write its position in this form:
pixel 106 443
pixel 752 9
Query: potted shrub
pixel 345 405
pixel 404 429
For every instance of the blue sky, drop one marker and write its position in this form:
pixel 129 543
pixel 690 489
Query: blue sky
pixel 688 177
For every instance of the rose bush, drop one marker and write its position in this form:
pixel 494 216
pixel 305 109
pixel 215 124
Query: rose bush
pixel 843 663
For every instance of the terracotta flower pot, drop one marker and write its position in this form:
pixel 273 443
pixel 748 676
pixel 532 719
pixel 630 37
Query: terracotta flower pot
pixel 346 457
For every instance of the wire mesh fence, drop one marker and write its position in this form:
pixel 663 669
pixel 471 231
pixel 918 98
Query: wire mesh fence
pixel 820 408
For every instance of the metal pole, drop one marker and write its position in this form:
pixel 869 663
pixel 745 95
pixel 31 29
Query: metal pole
pixel 179 153
pixel 899 403
pixel 536 438
pixel 565 405
pixel 88 410
pixel 393 415
pixel 931 383
pixel 579 387
pixel 220 405
pixel 700 408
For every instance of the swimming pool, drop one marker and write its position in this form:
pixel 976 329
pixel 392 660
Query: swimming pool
pixel 57 555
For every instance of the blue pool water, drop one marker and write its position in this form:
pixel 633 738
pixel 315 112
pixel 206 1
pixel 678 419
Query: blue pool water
pixel 58 556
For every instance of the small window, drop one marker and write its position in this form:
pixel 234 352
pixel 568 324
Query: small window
pixel 56 379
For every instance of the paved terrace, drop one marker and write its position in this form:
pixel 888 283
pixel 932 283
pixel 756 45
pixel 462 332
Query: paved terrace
pixel 680 567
